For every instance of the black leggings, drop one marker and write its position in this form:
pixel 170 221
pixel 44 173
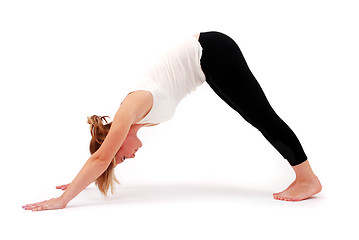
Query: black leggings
pixel 228 74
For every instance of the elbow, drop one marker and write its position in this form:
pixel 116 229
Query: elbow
pixel 100 162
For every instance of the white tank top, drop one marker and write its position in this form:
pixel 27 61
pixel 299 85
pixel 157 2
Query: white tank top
pixel 174 76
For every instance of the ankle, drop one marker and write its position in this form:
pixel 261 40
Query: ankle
pixel 306 179
pixel 304 173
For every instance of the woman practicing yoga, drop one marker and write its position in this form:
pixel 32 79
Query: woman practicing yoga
pixel 210 57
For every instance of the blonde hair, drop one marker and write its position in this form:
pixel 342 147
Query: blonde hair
pixel 99 128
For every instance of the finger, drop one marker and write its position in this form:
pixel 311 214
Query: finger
pixel 30 206
pixel 62 187
pixel 33 205
pixel 38 209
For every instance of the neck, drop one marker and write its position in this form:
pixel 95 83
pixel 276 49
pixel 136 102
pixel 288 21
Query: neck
pixel 134 129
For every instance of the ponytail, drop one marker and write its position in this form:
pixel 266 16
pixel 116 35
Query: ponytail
pixel 99 128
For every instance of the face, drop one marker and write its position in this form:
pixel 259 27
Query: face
pixel 128 148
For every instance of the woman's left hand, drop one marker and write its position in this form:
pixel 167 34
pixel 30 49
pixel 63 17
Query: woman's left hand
pixel 62 187
pixel 53 203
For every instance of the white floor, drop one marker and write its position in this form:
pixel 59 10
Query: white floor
pixel 206 174
pixel 188 210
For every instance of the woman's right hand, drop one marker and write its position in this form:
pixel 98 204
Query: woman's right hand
pixel 62 187
pixel 51 204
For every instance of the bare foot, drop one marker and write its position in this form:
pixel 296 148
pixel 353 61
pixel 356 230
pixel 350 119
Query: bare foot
pixel 299 190
pixel 291 185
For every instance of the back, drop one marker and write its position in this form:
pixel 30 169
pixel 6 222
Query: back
pixel 175 75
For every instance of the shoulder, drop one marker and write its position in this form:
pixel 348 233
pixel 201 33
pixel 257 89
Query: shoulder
pixel 139 95
pixel 137 103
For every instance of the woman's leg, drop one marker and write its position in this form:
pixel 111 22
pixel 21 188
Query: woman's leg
pixel 229 76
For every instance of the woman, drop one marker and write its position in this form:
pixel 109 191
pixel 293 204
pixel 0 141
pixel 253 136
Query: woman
pixel 212 57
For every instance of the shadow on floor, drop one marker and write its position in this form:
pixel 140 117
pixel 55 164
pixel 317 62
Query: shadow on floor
pixel 133 194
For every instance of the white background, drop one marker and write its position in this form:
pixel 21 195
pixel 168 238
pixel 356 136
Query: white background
pixel 206 174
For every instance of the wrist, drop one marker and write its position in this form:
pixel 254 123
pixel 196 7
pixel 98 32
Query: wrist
pixel 64 200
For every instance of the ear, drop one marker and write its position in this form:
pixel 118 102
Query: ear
pixel 119 158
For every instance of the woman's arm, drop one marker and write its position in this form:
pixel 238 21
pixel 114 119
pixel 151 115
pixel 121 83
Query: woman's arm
pixel 134 107
pixel 100 160
pixel 93 167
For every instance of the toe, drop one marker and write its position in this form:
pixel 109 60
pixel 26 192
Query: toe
pixel 285 198
pixel 279 197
